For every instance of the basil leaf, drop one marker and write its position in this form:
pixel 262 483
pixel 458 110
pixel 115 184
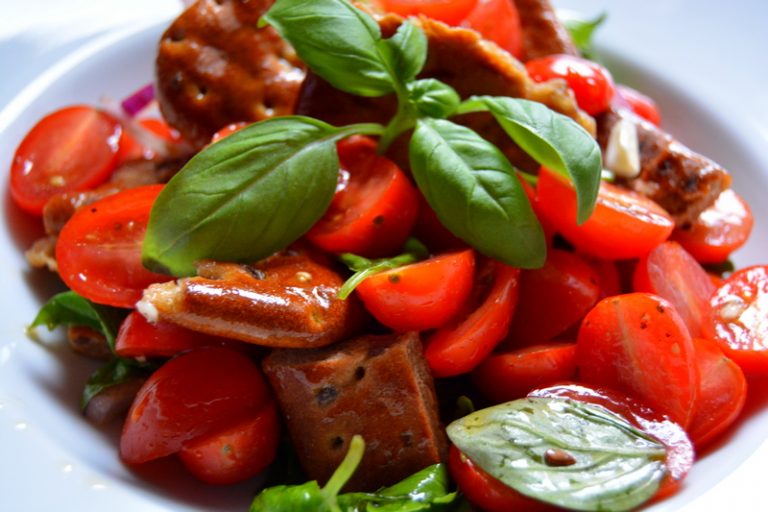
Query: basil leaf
pixel 69 308
pixel 433 98
pixel 615 466
pixel 406 51
pixel 581 29
pixel 306 497
pixel 247 196
pixel 475 193
pixel 553 140
pixel 337 41
pixel 117 371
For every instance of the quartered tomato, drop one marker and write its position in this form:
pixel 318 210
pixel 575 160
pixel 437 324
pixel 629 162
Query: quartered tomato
pixel 99 249
pixel 374 208
pixel 72 149
pixel 591 83
pixel 448 11
pixel 640 104
pixel 420 296
pixel 623 225
pixel 195 394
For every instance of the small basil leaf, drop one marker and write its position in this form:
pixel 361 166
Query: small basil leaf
pixel 433 98
pixel 115 372
pixel 245 197
pixel 475 193
pixel 337 41
pixel 581 29
pixel 612 466
pixel 406 51
pixel 553 140
pixel 306 497
pixel 69 308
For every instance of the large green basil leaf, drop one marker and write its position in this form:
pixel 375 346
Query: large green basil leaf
pixel 612 466
pixel 69 308
pixel 553 140
pixel 474 191
pixel 405 51
pixel 247 196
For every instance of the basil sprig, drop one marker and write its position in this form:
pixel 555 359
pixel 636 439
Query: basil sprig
pixel 117 371
pixel 581 29
pixel 564 452
pixel 260 189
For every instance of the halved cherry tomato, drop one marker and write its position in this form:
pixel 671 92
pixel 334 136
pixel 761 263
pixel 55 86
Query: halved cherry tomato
pixel 139 338
pixel 497 21
pixel 608 275
pixel 194 394
pixel 670 272
pixel 236 453
pixel 420 296
pixel 640 104
pixel 99 249
pixel 722 393
pixel 511 375
pixel 132 149
pixel 553 298
pixel 719 230
pixel 374 208
pixel 740 310
pixel 228 130
pixel 620 214
pixel 638 344
pixel 461 345
pixel 485 491
pixel 591 83
pixel 680 453
pixel 72 149
pixel 431 232
pixel 448 11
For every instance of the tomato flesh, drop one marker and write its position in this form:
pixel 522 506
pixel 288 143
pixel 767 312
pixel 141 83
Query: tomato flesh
pixel 591 83
pixel 72 149
pixel 642 105
pixel 497 21
pixel 420 296
pixel 448 11
pixel 194 394
pixel 99 249
pixel 639 223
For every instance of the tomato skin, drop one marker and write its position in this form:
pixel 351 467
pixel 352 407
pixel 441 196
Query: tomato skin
pixel 619 214
pixel 193 394
pixel 236 453
pixel 485 491
pixel 420 296
pixel 228 130
pixel 139 338
pixel 510 375
pixel 638 344
pixel 739 310
pixel 99 249
pixel 591 83
pixel 553 298
pixel 69 150
pixel 642 105
pixel 431 232
pixel 447 11
pixel 131 149
pixel 722 393
pixel 670 272
pixel 680 452
pixel 608 275
pixel 497 21
pixel 719 230
pixel 461 345
pixel 374 208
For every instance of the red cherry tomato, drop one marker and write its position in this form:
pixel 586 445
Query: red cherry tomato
pixel 420 296
pixel 553 298
pixel 461 345
pixel 139 338
pixel 485 491
pixel 722 393
pixel 448 11
pixel 608 275
pixel 72 149
pixel 639 223
pixel 99 249
pixel 194 394
pixel 680 453
pixel 511 375
pixel 228 130
pixel 740 310
pixel 670 272
pixel 374 208
pixel 640 104
pixel 591 83
pixel 131 149
pixel 431 232
pixel 719 230
pixel 638 344
pixel 235 453
pixel 497 21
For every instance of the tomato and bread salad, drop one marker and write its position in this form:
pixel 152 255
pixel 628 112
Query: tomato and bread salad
pixel 408 254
